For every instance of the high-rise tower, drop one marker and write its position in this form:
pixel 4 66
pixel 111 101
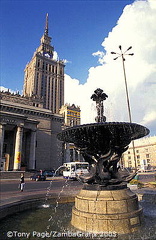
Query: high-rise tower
pixel 44 76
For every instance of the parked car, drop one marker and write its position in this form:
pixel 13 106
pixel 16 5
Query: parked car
pixel 49 173
pixel 38 177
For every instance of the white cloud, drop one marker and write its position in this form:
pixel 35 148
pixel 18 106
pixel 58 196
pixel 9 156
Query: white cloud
pixel 55 56
pixel 99 54
pixel 66 61
pixel 4 89
pixel 136 27
pixel 149 117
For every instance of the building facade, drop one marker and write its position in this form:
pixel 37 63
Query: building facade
pixel 71 114
pixel 145 154
pixel 28 134
pixel 44 76
pixel 72 117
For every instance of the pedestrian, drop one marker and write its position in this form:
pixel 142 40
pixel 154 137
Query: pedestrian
pixel 22 182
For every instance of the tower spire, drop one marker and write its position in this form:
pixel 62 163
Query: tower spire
pixel 46 26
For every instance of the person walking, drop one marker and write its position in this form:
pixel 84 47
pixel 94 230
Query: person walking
pixel 22 182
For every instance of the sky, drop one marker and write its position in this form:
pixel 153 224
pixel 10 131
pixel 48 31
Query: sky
pixel 83 34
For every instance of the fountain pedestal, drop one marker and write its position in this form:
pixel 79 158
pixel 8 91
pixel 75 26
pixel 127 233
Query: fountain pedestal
pixel 106 211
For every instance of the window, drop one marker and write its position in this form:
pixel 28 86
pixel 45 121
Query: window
pixel 53 69
pixel 60 71
pixel 129 152
pixel 72 122
pixel 129 157
pixel 138 156
pixel 49 68
pixel 147 156
pixel 38 63
pixel 137 151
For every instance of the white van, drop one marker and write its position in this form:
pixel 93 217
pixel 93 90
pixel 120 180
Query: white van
pixel 74 169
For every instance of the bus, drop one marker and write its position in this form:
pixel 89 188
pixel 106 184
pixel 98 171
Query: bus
pixel 74 169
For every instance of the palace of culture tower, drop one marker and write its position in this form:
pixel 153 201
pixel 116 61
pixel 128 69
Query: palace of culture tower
pixel 29 123
pixel 44 76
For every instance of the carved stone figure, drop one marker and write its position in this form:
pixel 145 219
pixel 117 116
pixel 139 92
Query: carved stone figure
pixel 99 96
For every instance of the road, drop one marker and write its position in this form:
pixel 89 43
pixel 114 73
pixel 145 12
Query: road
pixel 11 193
pixel 55 183
pixel 12 185
pixel 52 187
pixel 147 177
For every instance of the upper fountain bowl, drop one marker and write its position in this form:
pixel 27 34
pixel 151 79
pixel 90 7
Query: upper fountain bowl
pixel 99 136
pixel 102 144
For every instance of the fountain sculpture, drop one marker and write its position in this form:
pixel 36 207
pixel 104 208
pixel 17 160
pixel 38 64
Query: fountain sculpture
pixel 105 204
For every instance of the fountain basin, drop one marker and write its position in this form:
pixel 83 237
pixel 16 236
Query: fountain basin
pixel 102 144
pixel 24 222
pixel 97 137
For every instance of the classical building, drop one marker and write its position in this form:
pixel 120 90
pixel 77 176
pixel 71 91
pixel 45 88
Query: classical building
pixel 28 134
pixel 145 153
pixel 72 117
pixel 44 76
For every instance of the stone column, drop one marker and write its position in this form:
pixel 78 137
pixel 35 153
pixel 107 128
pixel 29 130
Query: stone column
pixel 32 150
pixel 18 148
pixel 7 160
pixel 1 140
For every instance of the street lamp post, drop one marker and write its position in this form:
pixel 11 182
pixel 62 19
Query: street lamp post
pixel 122 55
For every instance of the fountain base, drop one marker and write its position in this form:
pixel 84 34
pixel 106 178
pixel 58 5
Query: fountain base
pixel 107 211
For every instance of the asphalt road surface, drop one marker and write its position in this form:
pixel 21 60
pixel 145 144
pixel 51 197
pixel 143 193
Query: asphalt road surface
pixel 12 185
pixel 55 184
pixel 147 177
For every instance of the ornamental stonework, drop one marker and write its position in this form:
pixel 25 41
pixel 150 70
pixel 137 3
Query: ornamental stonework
pixel 17 98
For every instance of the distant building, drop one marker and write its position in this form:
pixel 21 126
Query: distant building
pixel 72 117
pixel 145 151
pixel 44 76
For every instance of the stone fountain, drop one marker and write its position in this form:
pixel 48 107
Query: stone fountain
pixel 105 203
